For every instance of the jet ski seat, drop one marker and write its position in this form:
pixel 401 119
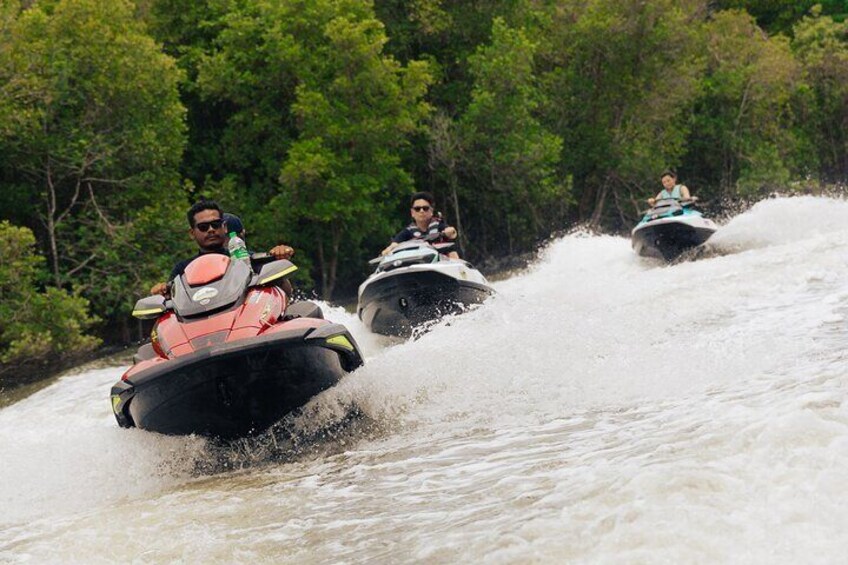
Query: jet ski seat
pixel 144 353
pixel 304 309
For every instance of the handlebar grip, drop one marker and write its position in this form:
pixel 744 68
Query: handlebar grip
pixel 261 258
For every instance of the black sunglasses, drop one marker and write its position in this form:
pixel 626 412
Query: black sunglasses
pixel 214 224
pixel 421 208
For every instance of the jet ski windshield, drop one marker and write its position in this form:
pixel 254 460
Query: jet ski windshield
pixel 666 208
pixel 207 295
pixel 409 254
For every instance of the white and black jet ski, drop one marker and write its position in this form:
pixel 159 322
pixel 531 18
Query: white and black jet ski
pixel 416 284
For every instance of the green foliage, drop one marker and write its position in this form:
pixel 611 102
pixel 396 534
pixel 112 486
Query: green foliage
pixel 355 110
pixel 187 32
pixel 446 34
pixel 509 157
pixel 741 140
pixel 779 16
pixel 621 78
pixel 314 120
pixel 820 47
pixel 319 105
pixel 36 325
pixel 92 128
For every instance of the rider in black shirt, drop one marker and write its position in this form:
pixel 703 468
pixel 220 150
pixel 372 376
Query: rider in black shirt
pixel 209 229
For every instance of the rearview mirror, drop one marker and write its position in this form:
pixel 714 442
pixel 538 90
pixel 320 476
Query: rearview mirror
pixel 150 307
pixel 273 272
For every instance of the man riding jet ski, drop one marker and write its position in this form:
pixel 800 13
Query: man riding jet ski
pixel 229 356
pixel 425 223
pixel 672 225
pixel 419 278
pixel 212 230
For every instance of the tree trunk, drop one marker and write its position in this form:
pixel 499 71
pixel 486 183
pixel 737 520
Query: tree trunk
pixel 125 330
pixel 595 220
pixel 54 217
pixel 588 199
pixel 328 281
pixel 461 240
pixel 508 235
pixel 50 224
pixel 322 264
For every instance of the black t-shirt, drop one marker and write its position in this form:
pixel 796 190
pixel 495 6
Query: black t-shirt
pixel 180 267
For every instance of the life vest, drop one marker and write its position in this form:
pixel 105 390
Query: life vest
pixel 675 193
pixel 433 228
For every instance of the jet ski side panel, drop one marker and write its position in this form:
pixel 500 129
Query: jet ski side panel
pixel 236 389
pixel 394 305
pixel 668 240
pixel 234 395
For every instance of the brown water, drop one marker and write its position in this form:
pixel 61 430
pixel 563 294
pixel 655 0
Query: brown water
pixel 598 409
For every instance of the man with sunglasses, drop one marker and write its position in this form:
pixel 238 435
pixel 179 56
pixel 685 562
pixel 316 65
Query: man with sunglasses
pixel 424 223
pixel 209 230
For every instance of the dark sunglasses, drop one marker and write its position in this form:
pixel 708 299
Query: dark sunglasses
pixel 421 208
pixel 214 224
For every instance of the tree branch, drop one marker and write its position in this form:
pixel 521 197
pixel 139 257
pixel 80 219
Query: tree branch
pixel 81 265
pixel 109 227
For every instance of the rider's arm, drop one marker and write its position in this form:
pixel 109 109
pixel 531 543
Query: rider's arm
pixel 684 192
pixel 448 231
pixel 400 237
pixel 164 288
pixel 388 249
pixel 283 252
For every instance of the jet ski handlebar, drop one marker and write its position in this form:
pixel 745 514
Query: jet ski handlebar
pixel 683 202
pixel 261 258
pixel 430 238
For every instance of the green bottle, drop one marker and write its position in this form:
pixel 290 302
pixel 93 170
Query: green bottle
pixel 237 248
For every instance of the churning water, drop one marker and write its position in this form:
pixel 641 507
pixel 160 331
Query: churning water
pixel 600 408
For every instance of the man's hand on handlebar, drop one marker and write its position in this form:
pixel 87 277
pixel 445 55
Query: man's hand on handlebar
pixel 388 249
pixel 161 288
pixel 282 252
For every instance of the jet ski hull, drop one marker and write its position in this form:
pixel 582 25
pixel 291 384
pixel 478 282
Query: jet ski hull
pixel 667 239
pixel 398 303
pixel 235 389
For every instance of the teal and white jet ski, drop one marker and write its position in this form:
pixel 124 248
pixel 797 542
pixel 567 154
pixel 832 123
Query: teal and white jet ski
pixel 669 228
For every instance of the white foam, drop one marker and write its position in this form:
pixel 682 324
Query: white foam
pixel 781 221
pixel 599 408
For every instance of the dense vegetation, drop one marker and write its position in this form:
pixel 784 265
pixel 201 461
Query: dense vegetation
pixel 315 119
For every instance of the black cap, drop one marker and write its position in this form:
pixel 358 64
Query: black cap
pixel 233 223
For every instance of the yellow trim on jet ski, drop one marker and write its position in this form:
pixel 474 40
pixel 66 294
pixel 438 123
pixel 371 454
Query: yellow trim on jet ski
pixel 138 313
pixel 115 401
pixel 342 341
pixel 266 280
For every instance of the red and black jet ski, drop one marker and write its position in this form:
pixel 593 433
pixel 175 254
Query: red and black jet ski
pixel 228 355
